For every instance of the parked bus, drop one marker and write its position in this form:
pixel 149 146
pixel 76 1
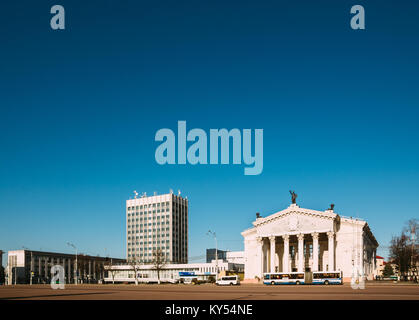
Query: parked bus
pixel 284 278
pixel 329 277
pixel 317 277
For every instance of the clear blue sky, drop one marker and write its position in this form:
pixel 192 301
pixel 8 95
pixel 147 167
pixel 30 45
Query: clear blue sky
pixel 80 108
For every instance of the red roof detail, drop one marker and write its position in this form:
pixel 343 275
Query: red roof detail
pixel 379 257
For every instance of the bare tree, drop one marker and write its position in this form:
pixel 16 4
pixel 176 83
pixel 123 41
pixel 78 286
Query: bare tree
pixel 412 228
pixel 388 270
pixel 404 249
pixel 134 263
pixel 159 262
pixel 109 267
pixel 400 253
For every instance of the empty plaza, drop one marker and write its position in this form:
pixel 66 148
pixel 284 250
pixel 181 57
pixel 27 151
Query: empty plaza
pixel 372 291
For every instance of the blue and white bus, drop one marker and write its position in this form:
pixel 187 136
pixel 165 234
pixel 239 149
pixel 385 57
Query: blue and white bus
pixel 317 277
pixel 328 277
pixel 284 278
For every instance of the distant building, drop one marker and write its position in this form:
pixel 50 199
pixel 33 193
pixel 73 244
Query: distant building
pixel 379 267
pixel 158 222
pixel 235 257
pixel 222 255
pixel 21 263
pixel 171 272
pixel 227 256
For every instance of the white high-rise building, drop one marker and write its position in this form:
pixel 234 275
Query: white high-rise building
pixel 157 222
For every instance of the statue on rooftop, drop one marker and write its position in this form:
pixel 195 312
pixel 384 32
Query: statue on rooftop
pixel 293 197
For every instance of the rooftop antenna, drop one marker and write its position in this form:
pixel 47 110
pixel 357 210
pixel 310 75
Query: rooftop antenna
pixel 155 193
pixel 171 191
pixel 135 194
pixel 178 192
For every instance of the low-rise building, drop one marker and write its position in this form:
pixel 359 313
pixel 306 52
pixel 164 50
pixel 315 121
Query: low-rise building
pixel 169 272
pixel 228 256
pixel 379 266
pixel 26 266
pixel 211 253
pixel 235 257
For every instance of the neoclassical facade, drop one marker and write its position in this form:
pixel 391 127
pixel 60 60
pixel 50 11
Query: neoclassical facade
pixel 298 239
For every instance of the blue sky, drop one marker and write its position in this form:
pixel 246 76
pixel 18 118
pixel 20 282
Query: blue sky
pixel 80 108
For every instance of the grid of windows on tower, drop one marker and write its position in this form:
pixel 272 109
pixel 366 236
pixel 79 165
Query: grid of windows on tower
pixel 155 226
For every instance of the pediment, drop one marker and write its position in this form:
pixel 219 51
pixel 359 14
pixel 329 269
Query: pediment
pixel 294 222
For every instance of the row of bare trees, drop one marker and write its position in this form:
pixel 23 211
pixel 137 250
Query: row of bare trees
pixel 404 249
pixel 158 261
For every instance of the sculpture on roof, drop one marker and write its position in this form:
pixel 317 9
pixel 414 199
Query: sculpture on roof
pixel 293 197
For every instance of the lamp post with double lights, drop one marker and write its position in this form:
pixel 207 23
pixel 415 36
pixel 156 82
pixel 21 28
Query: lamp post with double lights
pixel 216 252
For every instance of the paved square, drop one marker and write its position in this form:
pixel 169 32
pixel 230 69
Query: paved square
pixel 373 291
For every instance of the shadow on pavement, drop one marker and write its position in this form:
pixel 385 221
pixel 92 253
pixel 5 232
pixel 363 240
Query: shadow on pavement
pixel 56 295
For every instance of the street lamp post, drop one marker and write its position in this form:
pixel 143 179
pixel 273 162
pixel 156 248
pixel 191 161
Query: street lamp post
pixel 216 252
pixel 76 268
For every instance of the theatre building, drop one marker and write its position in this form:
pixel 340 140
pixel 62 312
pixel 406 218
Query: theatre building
pixel 301 240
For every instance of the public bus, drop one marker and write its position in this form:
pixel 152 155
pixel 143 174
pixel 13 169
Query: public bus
pixel 284 278
pixel 297 278
pixel 328 277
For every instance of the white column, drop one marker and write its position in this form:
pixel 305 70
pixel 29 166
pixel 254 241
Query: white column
pixel 46 268
pixel 315 266
pixel 300 253
pixel 68 270
pixel 272 252
pixel 90 270
pixel 331 250
pixel 63 262
pixel 285 259
pixel 39 268
pixel 94 269
pixel 260 256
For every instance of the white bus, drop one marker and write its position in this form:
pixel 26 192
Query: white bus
pixel 228 281
pixel 328 277
pixel 317 277
pixel 284 278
